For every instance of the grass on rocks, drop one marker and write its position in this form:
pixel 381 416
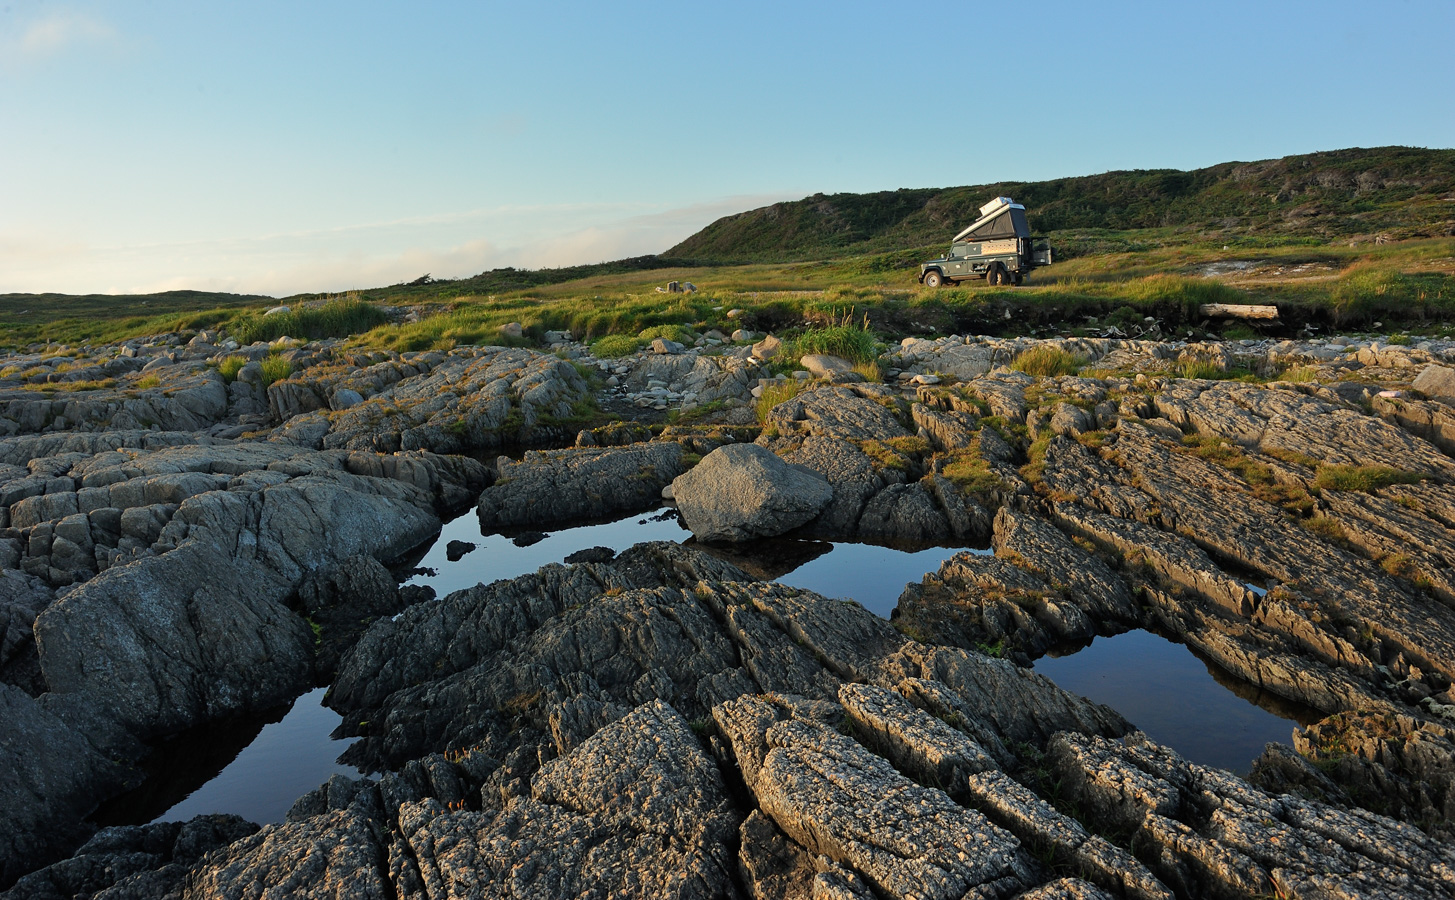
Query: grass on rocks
pixel 775 394
pixel 275 368
pixel 229 367
pixel 857 345
pixel 335 319
pixel 615 345
pixel 1045 362
pixel 1362 478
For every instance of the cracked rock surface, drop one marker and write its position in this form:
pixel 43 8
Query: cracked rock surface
pixel 658 722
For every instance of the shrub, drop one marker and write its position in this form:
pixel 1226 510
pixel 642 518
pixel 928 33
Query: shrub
pixel 1044 362
pixel 149 381
pixel 615 345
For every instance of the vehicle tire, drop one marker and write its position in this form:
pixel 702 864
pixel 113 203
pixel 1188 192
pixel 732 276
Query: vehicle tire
pixel 933 279
pixel 1019 279
pixel 996 274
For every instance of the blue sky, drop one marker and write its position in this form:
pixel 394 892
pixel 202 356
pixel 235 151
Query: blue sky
pixel 283 147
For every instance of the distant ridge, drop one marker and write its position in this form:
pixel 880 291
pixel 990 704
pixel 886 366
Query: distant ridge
pixel 1409 191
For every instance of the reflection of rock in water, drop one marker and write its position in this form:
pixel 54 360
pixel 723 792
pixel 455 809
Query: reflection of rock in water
pixel 1282 707
pixel 768 559
pixel 180 765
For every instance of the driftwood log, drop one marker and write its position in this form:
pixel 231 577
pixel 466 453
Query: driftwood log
pixel 1237 311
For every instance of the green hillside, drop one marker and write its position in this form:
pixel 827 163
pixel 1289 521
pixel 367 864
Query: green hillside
pixel 1399 191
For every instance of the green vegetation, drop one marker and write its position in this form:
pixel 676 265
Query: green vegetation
pixel 775 394
pixel 833 274
pixel 229 368
pixel 1047 361
pixel 615 345
pixel 335 319
pixel 857 345
pixel 275 368
pixel 1362 478
pixel 1315 196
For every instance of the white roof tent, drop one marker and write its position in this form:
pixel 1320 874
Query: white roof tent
pixel 1000 218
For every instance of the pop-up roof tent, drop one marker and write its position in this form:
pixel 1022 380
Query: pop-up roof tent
pixel 1000 218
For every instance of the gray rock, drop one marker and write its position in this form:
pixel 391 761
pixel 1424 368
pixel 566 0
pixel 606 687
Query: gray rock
pixel 512 330
pixel 561 485
pixel 636 810
pixel 831 368
pixel 767 348
pixel 743 491
pixel 664 346
pixel 344 398
pixel 22 597
pixel 1436 381
pixel 837 799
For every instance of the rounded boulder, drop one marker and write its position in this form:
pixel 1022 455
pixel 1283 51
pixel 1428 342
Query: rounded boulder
pixel 743 491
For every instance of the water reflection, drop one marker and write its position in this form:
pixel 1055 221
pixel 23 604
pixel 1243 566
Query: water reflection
pixel 258 766
pixel 253 766
pixel 1179 700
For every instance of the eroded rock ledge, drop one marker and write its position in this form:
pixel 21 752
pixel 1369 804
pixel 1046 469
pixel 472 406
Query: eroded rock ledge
pixel 662 724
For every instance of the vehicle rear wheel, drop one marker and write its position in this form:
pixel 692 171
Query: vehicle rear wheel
pixel 1019 279
pixel 996 274
pixel 933 279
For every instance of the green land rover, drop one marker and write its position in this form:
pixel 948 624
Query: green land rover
pixel 997 247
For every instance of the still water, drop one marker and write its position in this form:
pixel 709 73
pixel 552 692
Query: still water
pixel 258 766
pixel 1178 699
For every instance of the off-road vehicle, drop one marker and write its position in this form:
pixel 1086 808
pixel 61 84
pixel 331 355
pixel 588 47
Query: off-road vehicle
pixel 997 247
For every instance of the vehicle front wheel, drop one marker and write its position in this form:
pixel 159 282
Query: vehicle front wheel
pixel 932 279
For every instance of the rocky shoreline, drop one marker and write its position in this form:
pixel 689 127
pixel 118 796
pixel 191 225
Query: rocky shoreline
pixel 184 538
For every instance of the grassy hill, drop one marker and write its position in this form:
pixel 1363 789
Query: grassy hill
pixel 1398 191
pixel 1345 239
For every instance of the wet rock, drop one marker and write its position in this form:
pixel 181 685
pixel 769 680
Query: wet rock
pixel 529 538
pixel 341 599
pixel 591 555
pixel 743 491
pixel 456 550
pixel 576 484
pixel 50 774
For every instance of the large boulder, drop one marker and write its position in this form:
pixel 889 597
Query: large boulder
pixel 743 491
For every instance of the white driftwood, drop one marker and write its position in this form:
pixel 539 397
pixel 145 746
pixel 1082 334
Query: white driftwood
pixel 1237 311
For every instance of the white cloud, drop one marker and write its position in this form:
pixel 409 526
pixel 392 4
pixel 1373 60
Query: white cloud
pixel 60 31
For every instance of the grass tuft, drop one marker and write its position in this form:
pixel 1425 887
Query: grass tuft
pixel 334 319
pixel 1045 362
pixel 775 394
pixel 1362 478
pixel 615 345
pixel 275 368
